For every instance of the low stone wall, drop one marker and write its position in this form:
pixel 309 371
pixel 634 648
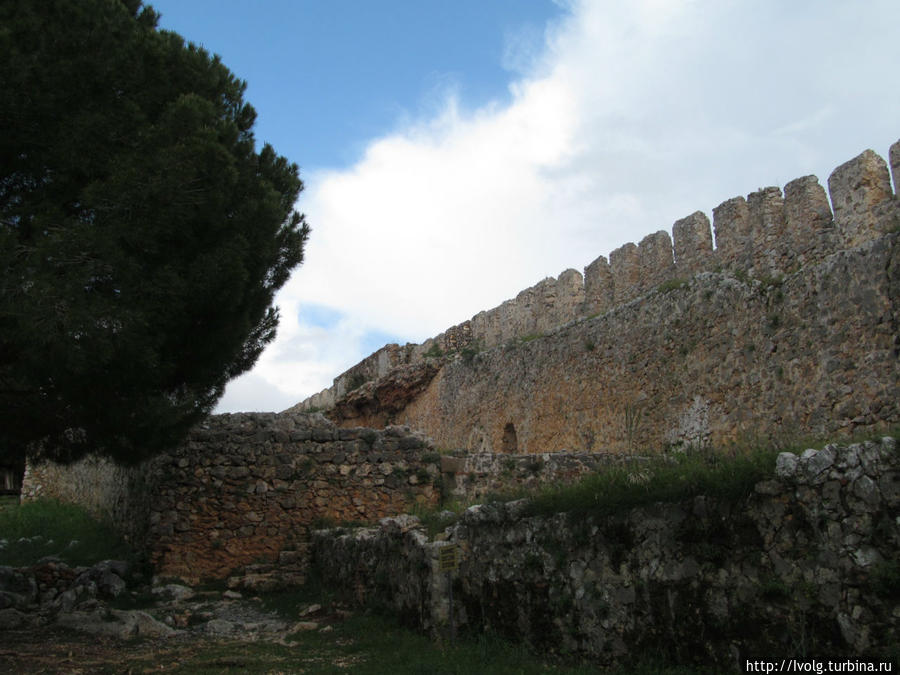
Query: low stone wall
pixel 472 476
pixel 244 489
pixel 805 565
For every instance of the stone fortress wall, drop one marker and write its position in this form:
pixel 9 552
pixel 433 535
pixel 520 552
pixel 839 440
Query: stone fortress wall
pixel 791 245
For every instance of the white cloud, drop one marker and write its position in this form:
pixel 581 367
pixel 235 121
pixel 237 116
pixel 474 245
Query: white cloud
pixel 630 116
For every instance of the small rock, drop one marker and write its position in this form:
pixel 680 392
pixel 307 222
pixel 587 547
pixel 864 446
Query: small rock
pixel 173 592
pixel 786 465
pixel 111 584
pixel 327 629
pixel 116 623
pixel 232 595
pixel 818 463
pixel 304 626
pixel 312 609
pixel 219 627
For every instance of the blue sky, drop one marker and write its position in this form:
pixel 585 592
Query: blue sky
pixel 327 76
pixel 455 153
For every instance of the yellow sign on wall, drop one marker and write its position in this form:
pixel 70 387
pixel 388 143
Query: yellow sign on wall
pixel 448 558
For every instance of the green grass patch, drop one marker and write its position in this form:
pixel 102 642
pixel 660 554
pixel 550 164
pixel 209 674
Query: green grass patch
pixel 364 645
pixel 435 352
pixel 41 528
pixel 672 285
pixel 657 479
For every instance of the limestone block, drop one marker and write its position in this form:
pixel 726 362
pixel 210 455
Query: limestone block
pixel 858 188
pixel 656 259
pixel 523 313
pixel 625 266
pixel 693 244
pixel 786 465
pixel 570 291
pixel 766 211
pixel 809 226
pixel 731 222
pixel 598 287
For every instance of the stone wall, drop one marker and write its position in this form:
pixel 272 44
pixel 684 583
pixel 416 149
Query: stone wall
pixel 116 494
pixel 472 476
pixel 719 358
pixel 806 565
pixel 243 490
pixel 239 496
pixel 768 234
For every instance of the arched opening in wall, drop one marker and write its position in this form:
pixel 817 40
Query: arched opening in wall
pixel 510 440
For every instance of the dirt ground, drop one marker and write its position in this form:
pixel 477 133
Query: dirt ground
pixel 54 650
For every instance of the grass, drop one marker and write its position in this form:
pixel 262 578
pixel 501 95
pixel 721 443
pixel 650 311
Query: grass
pixel 672 285
pixel 659 479
pixel 729 473
pixel 45 527
pixel 364 644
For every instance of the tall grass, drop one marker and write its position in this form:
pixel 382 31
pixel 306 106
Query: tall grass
pixel 33 530
pixel 657 479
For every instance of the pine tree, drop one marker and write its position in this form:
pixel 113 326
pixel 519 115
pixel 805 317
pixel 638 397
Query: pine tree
pixel 142 236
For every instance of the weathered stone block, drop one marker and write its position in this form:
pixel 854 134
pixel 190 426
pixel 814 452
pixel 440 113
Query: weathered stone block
pixel 625 267
pixel 859 188
pixel 731 222
pixel 656 259
pixel 809 228
pixel 693 244
pixel 767 229
pixel 598 287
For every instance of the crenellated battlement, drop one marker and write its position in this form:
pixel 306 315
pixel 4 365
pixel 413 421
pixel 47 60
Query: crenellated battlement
pixel 768 234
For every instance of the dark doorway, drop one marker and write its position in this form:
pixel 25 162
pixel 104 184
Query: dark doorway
pixel 510 440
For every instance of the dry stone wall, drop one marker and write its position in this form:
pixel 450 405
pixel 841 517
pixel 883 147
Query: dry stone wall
pixel 805 565
pixel 473 476
pixel 239 496
pixel 110 492
pixel 243 490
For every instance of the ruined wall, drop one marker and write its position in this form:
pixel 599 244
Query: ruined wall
pixel 788 325
pixel 805 565
pixel 244 489
pixel 111 493
pixel 239 496
pixel 471 477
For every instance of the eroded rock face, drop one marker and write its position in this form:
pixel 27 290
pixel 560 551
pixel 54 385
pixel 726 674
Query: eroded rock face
pixel 810 555
pixel 374 404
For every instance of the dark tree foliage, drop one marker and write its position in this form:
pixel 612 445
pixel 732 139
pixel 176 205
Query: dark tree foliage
pixel 142 236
